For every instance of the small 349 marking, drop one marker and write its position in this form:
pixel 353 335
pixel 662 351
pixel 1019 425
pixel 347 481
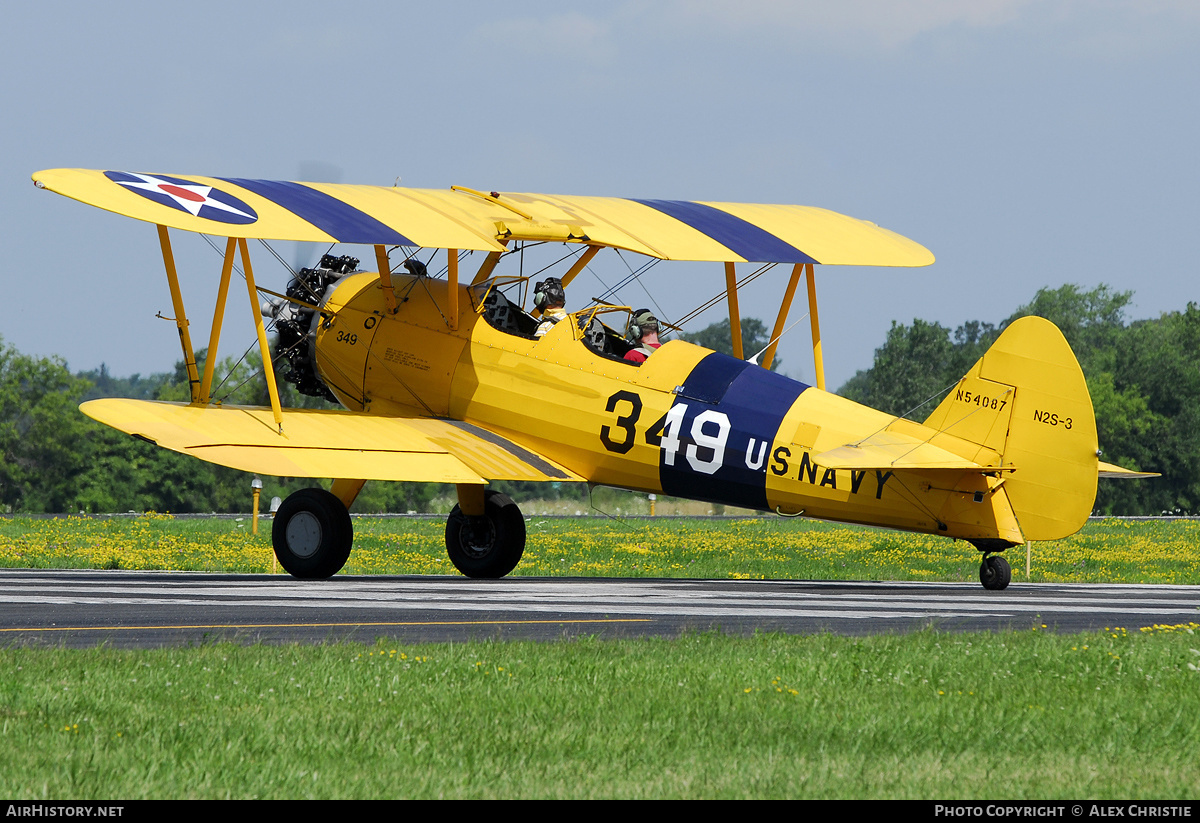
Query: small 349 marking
pixel 347 337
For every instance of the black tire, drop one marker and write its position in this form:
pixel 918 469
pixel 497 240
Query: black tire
pixel 995 573
pixel 490 546
pixel 312 534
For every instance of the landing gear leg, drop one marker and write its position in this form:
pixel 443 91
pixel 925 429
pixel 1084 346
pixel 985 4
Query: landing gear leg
pixel 488 544
pixel 312 534
pixel 346 490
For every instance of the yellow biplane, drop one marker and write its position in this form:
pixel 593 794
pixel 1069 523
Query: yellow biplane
pixel 445 379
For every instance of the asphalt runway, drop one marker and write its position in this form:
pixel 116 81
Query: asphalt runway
pixel 152 609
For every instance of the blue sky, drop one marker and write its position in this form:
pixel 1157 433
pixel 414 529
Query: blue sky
pixel 1027 143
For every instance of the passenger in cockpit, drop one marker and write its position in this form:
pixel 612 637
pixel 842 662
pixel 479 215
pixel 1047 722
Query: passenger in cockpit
pixel 643 331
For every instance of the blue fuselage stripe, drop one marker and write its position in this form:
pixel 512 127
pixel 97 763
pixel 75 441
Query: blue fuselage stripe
pixel 750 403
pixel 743 238
pixel 332 216
pixel 711 378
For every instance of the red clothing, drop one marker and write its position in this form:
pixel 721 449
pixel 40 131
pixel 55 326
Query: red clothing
pixel 639 355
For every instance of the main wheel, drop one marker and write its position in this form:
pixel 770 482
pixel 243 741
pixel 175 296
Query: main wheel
pixel 995 573
pixel 312 534
pixel 487 546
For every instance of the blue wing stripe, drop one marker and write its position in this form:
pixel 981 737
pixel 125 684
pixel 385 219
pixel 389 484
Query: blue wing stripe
pixel 739 236
pixel 327 213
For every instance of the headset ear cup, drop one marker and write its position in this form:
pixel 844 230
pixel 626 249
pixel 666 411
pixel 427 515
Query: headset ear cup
pixel 547 290
pixel 642 319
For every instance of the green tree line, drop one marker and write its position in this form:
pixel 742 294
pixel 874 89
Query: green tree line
pixel 53 458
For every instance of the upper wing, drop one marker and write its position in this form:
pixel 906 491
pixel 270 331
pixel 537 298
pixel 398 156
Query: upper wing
pixel 319 443
pixel 464 219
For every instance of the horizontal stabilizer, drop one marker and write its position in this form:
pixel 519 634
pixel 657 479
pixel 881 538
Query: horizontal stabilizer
pixel 1111 472
pixel 319 443
pixel 892 450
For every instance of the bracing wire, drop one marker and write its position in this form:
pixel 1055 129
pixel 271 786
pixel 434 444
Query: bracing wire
pixel 621 521
pixel 231 372
pixel 635 275
pixel 935 395
pixel 708 304
pixel 276 255
pixel 775 339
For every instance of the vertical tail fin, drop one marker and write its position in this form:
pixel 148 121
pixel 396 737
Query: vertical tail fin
pixel 1026 399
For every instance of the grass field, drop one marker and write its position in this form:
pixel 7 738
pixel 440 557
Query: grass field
pixel 1015 715
pixel 1108 551
pixel 1112 714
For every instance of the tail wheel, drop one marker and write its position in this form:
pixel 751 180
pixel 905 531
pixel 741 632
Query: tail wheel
pixel 995 573
pixel 488 546
pixel 312 534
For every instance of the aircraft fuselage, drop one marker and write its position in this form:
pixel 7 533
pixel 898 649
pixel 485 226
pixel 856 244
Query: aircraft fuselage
pixel 688 422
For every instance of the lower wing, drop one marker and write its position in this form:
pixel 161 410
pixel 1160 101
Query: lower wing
pixel 319 443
